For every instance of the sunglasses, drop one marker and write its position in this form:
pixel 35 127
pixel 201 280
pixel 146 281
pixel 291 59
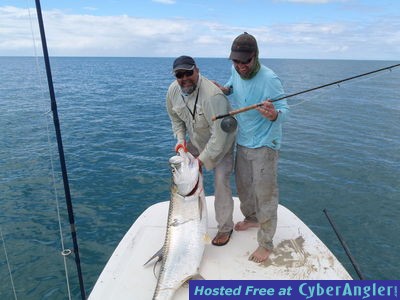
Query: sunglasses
pixel 235 61
pixel 186 73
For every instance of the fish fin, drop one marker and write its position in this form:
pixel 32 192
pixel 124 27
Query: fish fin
pixel 194 277
pixel 198 277
pixel 154 269
pixel 158 255
pixel 186 284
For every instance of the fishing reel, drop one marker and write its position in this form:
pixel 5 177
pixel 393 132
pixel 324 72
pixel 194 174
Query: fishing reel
pixel 228 124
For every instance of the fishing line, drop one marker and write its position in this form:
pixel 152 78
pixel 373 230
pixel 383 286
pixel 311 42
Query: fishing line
pixel 8 263
pixel 60 150
pixel 51 154
pixel 319 96
pixel 344 85
pixel 229 123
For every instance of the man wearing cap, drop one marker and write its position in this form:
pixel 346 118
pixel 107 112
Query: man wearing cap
pixel 258 141
pixel 192 101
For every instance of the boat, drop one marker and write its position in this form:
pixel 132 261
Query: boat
pixel 298 255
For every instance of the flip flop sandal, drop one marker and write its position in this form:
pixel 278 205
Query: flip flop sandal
pixel 222 235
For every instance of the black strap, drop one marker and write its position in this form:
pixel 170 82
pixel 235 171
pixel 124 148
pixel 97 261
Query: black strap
pixel 193 113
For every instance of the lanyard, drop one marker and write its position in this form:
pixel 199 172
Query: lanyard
pixel 193 113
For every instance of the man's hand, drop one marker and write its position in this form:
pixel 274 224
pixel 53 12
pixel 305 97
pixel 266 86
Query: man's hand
pixel 268 110
pixel 180 145
pixel 224 89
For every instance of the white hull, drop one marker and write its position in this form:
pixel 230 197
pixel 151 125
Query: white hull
pixel 298 254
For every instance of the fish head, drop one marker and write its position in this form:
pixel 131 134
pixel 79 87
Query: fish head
pixel 185 172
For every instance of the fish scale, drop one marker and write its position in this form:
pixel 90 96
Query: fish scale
pixel 186 228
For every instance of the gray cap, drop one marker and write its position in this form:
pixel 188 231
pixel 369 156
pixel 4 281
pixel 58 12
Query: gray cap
pixel 243 47
pixel 183 63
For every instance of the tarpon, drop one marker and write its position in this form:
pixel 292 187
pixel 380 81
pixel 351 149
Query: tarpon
pixel 186 227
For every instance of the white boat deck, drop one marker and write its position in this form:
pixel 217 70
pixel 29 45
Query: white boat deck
pixel 298 254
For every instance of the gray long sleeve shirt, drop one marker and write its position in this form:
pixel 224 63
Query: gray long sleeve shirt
pixel 206 135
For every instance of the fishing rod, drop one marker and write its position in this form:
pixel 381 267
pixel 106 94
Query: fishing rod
pixel 229 123
pixel 60 149
pixel 346 249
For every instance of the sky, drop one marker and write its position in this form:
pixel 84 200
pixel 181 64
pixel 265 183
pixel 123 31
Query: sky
pixel 301 29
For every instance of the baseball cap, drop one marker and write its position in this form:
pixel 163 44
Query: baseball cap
pixel 183 63
pixel 243 47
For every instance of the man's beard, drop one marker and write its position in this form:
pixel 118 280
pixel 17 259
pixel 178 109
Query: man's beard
pixel 188 89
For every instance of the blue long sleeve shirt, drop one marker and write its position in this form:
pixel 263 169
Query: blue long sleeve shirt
pixel 254 130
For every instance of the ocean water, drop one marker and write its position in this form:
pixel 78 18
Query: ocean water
pixel 341 152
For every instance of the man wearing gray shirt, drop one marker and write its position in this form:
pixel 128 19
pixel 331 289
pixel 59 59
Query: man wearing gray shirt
pixel 192 101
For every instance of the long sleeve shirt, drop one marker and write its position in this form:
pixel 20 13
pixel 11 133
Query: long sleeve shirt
pixel 254 130
pixel 192 115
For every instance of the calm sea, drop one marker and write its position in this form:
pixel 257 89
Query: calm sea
pixel 341 152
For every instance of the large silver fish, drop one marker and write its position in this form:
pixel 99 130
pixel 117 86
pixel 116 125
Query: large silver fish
pixel 186 227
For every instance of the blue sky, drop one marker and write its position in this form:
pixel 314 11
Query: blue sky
pixel 315 29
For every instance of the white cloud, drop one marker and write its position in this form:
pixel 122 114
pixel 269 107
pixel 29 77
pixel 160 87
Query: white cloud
pixel 89 35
